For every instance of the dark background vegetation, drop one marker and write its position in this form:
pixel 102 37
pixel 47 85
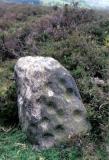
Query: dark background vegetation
pixel 78 39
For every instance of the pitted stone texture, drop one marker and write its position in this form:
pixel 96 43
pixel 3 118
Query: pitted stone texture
pixel 49 103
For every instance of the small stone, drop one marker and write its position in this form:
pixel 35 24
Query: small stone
pixel 97 81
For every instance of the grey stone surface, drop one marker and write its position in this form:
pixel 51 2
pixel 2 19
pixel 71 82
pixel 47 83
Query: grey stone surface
pixel 49 103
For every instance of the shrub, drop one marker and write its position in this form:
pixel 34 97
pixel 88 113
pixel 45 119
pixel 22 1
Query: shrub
pixel 8 106
pixel 8 97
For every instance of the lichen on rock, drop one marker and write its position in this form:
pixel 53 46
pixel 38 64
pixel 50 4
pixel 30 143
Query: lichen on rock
pixel 49 103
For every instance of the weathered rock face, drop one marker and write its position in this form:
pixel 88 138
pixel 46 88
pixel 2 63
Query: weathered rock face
pixel 49 104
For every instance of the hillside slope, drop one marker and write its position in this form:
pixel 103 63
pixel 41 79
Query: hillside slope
pixel 98 4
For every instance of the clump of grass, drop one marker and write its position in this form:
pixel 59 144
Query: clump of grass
pixel 13 145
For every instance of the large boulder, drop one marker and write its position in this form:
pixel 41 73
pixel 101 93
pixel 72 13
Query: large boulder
pixel 49 103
